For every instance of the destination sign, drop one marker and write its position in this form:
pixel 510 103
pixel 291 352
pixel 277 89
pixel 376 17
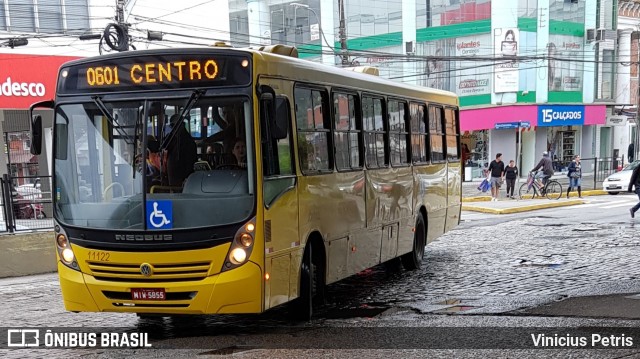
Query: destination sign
pixel 160 72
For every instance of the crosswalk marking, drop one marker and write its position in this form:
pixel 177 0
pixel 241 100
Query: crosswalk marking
pixel 608 204
pixel 625 204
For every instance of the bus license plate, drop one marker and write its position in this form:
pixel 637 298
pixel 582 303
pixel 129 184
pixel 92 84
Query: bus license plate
pixel 148 294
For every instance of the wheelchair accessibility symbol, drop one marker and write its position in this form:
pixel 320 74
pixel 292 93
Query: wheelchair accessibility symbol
pixel 159 215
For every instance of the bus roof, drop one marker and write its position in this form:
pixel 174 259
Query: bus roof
pixel 317 73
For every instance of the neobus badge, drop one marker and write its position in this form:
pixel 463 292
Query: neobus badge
pixel 144 237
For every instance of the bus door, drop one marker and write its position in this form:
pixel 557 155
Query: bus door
pixel 454 168
pixel 280 198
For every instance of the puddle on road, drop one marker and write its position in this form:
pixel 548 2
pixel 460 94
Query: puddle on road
pixel 526 263
pixel 363 311
pixel 455 309
pixel 228 350
pixel 586 229
pixel 454 301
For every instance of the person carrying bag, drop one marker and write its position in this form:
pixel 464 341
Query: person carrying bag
pixel 575 175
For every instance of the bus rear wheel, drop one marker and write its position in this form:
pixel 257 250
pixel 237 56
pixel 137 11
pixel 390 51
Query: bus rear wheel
pixel 413 259
pixel 311 285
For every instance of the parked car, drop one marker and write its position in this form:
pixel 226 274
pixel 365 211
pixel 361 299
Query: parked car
pixel 619 181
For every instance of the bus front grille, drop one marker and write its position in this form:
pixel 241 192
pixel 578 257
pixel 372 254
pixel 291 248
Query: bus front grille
pixel 174 272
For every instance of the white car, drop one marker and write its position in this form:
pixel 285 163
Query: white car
pixel 619 181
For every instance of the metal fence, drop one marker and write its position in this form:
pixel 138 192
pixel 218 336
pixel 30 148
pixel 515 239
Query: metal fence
pixel 596 170
pixel 26 203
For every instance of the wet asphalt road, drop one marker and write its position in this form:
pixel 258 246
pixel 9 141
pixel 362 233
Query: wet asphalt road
pixel 481 274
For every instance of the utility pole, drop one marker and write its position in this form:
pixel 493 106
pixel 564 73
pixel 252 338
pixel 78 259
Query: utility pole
pixel 116 35
pixel 343 35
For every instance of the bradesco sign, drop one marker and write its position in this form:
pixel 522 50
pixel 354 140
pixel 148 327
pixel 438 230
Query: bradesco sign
pixel 560 115
pixel 25 78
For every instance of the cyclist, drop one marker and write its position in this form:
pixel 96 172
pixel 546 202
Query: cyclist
pixel 547 168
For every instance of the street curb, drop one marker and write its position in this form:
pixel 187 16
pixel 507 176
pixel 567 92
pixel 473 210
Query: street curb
pixel 476 199
pixel 27 254
pixel 532 207
pixel 596 192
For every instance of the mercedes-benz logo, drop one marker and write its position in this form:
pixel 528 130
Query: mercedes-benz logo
pixel 146 269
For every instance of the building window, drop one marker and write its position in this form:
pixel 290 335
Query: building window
pixel 46 16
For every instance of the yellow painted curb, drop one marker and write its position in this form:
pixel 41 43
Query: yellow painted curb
pixel 532 207
pixel 476 199
pixel 574 193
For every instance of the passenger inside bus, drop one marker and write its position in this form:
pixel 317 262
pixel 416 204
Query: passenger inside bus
pixel 240 153
pixel 227 118
pixel 181 154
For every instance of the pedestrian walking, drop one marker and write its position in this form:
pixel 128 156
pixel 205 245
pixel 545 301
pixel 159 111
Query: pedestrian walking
pixel 575 176
pixel 496 170
pixel 635 181
pixel 511 174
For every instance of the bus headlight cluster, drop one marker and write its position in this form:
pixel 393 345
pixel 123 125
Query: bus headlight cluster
pixel 67 257
pixel 241 246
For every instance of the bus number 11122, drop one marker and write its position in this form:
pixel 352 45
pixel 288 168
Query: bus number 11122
pixel 98 76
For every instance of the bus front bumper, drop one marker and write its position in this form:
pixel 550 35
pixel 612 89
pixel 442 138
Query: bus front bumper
pixel 235 291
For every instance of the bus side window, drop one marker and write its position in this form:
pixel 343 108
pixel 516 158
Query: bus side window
pixel 436 134
pixel 314 129
pixel 374 132
pixel 452 135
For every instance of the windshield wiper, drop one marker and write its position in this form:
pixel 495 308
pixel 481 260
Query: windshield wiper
pixel 98 101
pixel 193 99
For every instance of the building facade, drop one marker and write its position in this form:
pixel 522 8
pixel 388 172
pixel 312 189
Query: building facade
pixel 529 74
pixel 532 75
pixel 626 130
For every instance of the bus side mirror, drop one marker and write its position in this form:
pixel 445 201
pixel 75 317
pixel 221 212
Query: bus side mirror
pixel 36 134
pixel 278 124
pixel 36 126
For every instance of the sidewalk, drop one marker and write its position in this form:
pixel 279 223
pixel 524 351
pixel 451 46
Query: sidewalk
pixel 477 201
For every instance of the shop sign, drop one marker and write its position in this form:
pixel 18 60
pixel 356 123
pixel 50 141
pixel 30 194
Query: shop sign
pixel 21 86
pixel 560 115
pixel 512 125
pixel 616 120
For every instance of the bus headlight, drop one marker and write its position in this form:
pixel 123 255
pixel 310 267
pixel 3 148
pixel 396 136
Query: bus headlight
pixel 241 246
pixel 246 240
pixel 67 257
pixel 238 256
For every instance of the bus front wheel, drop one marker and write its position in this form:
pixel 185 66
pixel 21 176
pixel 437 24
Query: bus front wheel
pixel 311 285
pixel 413 259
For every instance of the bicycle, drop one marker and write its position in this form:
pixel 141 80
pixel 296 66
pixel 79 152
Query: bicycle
pixel 533 187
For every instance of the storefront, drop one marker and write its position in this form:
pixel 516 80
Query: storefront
pixel 523 132
pixel 24 80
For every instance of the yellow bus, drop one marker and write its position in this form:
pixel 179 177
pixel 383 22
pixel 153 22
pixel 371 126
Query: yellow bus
pixel 223 180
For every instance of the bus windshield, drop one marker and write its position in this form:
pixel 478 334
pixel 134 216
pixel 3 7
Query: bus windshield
pixel 115 161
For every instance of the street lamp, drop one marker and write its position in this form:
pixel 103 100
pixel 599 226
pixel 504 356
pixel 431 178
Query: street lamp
pixel 344 56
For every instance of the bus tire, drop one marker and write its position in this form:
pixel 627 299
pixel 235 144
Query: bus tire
pixel 311 285
pixel 413 259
